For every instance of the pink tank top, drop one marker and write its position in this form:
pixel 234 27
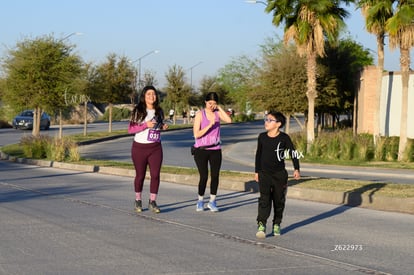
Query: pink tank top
pixel 213 134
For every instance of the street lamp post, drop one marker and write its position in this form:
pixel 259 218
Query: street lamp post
pixel 69 35
pixel 191 74
pixel 60 110
pixel 255 2
pixel 139 65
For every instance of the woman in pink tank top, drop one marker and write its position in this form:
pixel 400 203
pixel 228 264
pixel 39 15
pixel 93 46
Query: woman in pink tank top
pixel 206 130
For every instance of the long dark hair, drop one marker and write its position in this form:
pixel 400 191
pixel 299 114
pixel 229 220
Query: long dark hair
pixel 212 96
pixel 140 110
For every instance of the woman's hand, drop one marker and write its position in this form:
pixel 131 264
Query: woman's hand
pixel 151 123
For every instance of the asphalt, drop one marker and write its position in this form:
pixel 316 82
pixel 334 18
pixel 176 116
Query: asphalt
pixel 242 153
pixel 57 221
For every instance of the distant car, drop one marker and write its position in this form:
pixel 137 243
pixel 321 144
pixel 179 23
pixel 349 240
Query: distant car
pixel 24 120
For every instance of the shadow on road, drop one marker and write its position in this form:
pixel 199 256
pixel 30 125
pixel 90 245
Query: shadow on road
pixel 351 199
pixel 354 197
pixel 225 202
pixel 19 193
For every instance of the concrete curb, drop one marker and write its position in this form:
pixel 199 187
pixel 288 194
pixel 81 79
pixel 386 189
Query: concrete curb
pixel 245 184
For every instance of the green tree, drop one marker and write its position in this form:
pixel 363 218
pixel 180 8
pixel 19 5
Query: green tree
pixel 39 73
pixel 401 34
pixel 308 23
pixel 338 80
pixel 238 78
pixel 178 92
pixel 86 92
pixel 376 13
pixel 113 82
pixel 149 78
pixel 281 81
pixel 210 84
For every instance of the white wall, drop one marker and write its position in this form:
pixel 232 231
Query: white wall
pixel 390 108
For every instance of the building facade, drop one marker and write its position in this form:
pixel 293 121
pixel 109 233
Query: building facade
pixel 390 103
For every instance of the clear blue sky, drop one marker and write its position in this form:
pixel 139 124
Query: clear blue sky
pixel 185 32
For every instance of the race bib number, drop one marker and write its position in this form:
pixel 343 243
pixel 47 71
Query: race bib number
pixel 154 135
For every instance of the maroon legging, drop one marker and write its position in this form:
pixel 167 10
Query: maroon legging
pixel 147 154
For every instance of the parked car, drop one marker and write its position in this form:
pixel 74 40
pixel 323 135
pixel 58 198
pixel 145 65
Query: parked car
pixel 24 120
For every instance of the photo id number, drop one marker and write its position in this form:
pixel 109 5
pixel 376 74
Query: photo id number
pixel 347 247
pixel 154 135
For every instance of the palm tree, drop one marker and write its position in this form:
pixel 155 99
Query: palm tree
pixel 309 23
pixel 401 34
pixel 376 13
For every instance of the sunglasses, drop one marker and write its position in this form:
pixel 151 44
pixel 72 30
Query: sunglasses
pixel 270 120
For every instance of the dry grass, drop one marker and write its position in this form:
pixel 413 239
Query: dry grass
pixel 339 185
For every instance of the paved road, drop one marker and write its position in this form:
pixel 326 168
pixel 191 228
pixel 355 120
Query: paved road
pixel 239 145
pixel 56 221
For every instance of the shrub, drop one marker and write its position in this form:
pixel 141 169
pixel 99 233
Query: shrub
pixel 392 144
pixel 409 151
pixel 35 147
pixel 333 147
pixel 319 146
pixel 347 145
pixel 300 142
pixel 74 154
pixel 45 147
pixel 380 149
pixel 56 149
pixel 364 147
pixel 117 114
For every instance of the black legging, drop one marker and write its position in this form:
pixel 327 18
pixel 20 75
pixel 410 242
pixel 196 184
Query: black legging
pixel 202 158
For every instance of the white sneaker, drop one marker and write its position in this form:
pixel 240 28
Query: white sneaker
pixel 200 206
pixel 212 206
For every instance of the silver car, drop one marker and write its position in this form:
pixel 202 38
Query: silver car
pixel 24 120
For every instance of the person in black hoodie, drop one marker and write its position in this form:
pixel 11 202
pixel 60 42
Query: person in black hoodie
pixel 273 146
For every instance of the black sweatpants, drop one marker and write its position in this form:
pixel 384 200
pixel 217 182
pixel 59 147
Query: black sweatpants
pixel 273 188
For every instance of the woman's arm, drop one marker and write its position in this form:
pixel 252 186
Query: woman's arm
pixel 136 127
pixel 197 132
pixel 223 115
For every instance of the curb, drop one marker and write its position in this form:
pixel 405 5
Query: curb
pixel 245 184
pixel 87 142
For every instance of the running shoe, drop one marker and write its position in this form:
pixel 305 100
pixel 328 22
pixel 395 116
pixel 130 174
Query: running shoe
pixel 212 206
pixel 276 230
pixel 200 206
pixel 261 231
pixel 138 206
pixel 152 205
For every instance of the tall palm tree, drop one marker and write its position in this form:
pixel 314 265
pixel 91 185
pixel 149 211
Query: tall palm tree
pixel 401 34
pixel 309 23
pixel 376 13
